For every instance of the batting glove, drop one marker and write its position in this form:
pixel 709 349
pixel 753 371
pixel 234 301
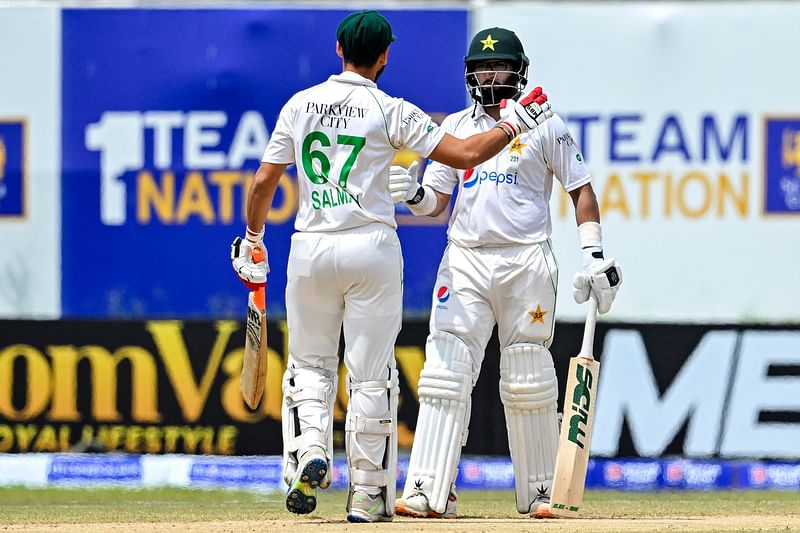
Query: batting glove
pixel 602 277
pixel 252 274
pixel 403 182
pixel 527 113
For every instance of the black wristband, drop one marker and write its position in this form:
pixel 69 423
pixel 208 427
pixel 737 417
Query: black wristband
pixel 417 197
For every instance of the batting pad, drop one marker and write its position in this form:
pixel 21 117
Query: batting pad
pixel 445 387
pixel 358 426
pixel 307 416
pixel 529 391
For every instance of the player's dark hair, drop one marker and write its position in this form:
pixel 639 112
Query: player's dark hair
pixel 360 59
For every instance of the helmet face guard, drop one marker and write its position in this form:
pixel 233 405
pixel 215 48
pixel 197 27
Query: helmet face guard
pixel 488 86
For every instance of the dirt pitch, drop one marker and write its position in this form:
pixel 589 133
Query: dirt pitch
pixel 584 525
pixel 184 511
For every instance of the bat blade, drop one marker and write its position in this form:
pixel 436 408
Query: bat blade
pixel 254 366
pixel 572 461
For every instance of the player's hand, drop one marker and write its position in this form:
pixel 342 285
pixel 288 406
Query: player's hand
pixel 527 113
pixel 252 274
pixel 403 182
pixel 602 277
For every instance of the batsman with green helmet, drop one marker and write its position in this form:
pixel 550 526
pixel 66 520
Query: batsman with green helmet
pixel 498 269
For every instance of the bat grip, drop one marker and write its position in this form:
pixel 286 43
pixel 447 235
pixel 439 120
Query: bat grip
pixel 260 296
pixel 587 346
pixel 258 254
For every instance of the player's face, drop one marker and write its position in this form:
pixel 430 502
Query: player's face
pixel 495 79
pixel 494 72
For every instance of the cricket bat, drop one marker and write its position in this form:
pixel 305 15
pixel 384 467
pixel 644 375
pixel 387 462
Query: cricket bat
pixel 254 365
pixel 572 459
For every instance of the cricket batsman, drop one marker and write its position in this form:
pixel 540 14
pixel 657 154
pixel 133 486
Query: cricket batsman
pixel 498 268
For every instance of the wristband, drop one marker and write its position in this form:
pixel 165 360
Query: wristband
pixel 506 128
pixel 590 235
pixel 254 236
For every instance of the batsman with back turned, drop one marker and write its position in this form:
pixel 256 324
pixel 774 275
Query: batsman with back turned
pixel 498 268
pixel 345 265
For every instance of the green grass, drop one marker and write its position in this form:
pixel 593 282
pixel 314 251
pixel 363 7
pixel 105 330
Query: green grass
pixel 99 506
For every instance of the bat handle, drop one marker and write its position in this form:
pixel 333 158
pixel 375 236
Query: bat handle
pixel 258 254
pixel 261 292
pixel 587 347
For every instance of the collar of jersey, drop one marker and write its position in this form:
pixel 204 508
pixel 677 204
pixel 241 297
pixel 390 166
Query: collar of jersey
pixel 480 113
pixel 348 76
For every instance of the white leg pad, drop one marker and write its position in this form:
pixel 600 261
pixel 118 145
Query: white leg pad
pixel 307 416
pixel 445 388
pixel 529 391
pixel 358 426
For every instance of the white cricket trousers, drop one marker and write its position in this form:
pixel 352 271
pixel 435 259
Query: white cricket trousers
pixel 348 280
pixel 512 286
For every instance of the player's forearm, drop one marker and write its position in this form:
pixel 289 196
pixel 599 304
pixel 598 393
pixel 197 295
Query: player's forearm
pixel 472 151
pixel 261 193
pixel 586 208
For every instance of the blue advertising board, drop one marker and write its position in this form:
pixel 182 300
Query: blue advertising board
pixel 88 469
pixel 162 130
pixel 782 165
pixel 12 168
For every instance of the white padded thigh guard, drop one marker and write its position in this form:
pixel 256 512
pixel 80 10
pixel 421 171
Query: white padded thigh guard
pixel 445 387
pixel 529 391
pixel 307 416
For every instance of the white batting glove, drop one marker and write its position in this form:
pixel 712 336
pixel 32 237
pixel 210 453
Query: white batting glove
pixel 602 277
pixel 252 274
pixel 403 182
pixel 527 113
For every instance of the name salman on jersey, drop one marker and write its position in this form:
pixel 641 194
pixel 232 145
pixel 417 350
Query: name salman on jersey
pixel 329 198
pixel 335 115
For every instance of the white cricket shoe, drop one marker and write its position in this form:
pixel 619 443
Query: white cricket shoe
pixel 302 495
pixel 367 508
pixel 417 506
pixel 540 508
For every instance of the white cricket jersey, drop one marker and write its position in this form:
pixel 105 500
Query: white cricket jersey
pixel 506 200
pixel 343 135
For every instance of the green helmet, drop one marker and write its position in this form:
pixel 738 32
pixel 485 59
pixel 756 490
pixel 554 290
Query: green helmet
pixel 496 44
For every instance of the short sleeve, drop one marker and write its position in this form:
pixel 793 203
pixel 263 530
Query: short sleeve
pixel 564 156
pixel 280 148
pixel 413 128
pixel 438 176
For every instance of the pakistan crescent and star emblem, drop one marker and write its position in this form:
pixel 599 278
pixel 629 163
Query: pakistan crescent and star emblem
pixel 538 315
pixel 489 43
pixel 516 146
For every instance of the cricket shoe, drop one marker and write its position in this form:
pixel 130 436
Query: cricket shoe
pixel 417 506
pixel 302 495
pixel 540 508
pixel 367 508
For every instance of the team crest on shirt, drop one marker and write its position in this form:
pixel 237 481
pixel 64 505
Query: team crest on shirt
pixel 515 147
pixel 537 315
